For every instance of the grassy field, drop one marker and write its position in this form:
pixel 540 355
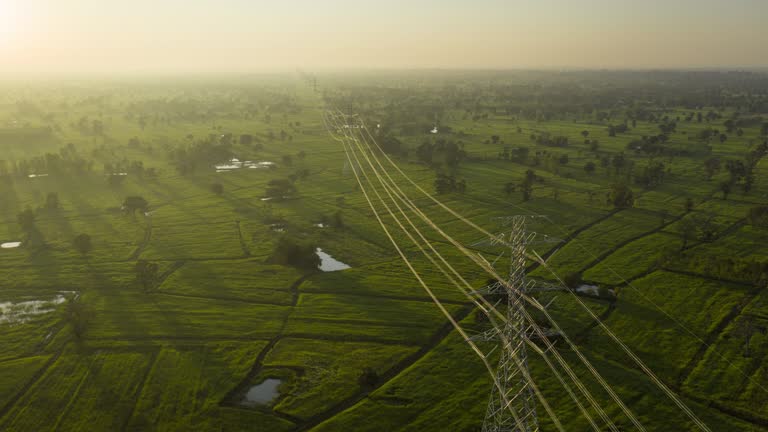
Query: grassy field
pixel 90 345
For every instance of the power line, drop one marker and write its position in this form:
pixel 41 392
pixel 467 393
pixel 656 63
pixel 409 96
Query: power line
pixel 636 359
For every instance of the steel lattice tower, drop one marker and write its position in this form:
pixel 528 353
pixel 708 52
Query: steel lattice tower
pixel 511 407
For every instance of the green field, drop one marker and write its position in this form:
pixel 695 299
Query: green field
pixel 89 342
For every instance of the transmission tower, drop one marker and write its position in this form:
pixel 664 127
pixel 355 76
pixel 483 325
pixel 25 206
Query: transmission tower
pixel 511 406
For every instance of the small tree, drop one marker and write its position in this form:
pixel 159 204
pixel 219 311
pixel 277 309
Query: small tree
pixel 146 274
pixel 133 203
pixel 52 201
pixel 687 229
pixel 77 316
pixel 83 244
pixel 526 186
pixel 589 167
pixel 621 196
pixel 725 188
pixel 758 216
pixel 26 219
pixel 338 219
pixel 572 280
pixel 294 253
pixel 688 204
pixel 509 188
pixel 217 188
pixel 711 166
pixel 368 378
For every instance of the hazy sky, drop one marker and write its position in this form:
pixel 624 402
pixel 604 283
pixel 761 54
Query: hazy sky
pixel 199 36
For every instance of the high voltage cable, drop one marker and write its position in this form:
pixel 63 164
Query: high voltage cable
pixel 528 317
pixel 437 302
pixel 506 342
pixel 538 259
pixel 557 354
pixel 607 388
pixel 660 309
pixel 486 266
pixel 563 363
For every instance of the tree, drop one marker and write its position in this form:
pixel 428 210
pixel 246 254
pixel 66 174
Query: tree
pixel 572 280
pixel 619 162
pixel 146 274
pixel 217 188
pixel 621 196
pixel 704 226
pixel 390 144
pixel 526 187
pixel 26 219
pixel 521 154
pixel 725 188
pixel 246 139
pixel 52 201
pixel 758 216
pixel 461 186
pixel 295 253
pixel 338 219
pixel 687 230
pixel 509 188
pixel 585 133
pixel 288 160
pixel 688 204
pixel 589 167
pixel 133 203
pixel 77 316
pixel 83 244
pixel 368 378
pixel 711 166
pixel 280 188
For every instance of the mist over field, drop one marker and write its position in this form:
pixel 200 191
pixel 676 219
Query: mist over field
pixel 89 37
pixel 363 216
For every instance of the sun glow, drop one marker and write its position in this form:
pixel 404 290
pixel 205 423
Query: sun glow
pixel 8 21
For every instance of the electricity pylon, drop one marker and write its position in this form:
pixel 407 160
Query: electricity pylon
pixel 511 406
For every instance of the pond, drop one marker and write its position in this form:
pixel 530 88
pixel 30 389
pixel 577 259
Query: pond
pixel 235 164
pixel 592 290
pixel 263 393
pixel 22 312
pixel 329 263
pixel 10 245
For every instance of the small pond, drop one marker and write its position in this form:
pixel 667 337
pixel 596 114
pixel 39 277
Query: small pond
pixel 329 263
pixel 262 394
pixel 22 312
pixel 589 290
pixel 235 164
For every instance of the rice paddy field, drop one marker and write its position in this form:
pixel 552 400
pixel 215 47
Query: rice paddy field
pixel 231 170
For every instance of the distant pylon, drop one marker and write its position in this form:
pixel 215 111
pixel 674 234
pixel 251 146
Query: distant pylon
pixel 511 406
